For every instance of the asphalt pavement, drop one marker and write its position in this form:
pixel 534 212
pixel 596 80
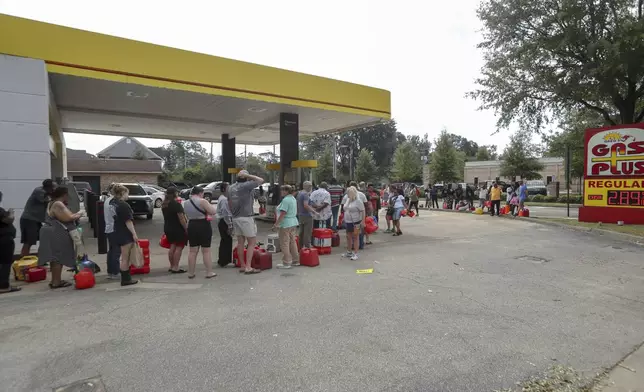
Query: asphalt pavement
pixel 458 303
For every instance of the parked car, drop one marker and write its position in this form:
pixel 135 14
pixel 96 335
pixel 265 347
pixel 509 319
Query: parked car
pixel 158 188
pixel 185 193
pixel 156 195
pixel 177 184
pixel 212 191
pixel 139 200
pixel 81 187
pixel 265 186
pixel 537 187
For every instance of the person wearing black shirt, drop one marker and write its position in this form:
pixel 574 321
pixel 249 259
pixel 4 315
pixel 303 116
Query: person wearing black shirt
pixel 124 233
pixel 7 247
pixel 175 227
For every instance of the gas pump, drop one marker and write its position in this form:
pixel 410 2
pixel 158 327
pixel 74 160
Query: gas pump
pixel 273 195
pixel 303 171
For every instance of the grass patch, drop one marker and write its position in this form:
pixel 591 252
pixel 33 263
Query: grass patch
pixel 557 379
pixel 544 204
pixel 637 230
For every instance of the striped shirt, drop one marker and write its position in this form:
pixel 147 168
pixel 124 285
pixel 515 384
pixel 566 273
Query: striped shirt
pixel 337 192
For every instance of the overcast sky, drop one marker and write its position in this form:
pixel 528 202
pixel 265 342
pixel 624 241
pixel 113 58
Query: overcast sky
pixel 423 51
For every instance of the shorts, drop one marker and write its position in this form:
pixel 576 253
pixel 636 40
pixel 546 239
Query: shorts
pixel 29 231
pixel 351 226
pixel 199 233
pixel 245 227
pixel 397 213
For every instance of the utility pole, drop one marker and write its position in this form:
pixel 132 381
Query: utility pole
pixel 568 180
pixel 335 158
pixel 211 156
pixel 351 163
pixel 245 156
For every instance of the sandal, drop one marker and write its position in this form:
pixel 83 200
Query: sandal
pixel 252 271
pixel 63 283
pixel 179 271
pixel 191 276
pixel 369 243
pixel 211 276
pixel 12 289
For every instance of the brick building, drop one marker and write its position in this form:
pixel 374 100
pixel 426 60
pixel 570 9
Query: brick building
pixel 127 160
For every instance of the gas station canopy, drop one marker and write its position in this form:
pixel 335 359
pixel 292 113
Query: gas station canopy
pixel 114 86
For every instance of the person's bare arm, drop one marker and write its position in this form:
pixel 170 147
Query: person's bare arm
pixel 63 214
pixel 251 177
pixel 130 226
pixel 183 220
pixel 208 207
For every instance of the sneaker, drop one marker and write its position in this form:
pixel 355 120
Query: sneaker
pixel 283 266
pixel 354 257
pixel 347 254
pixel 296 263
pixel 388 231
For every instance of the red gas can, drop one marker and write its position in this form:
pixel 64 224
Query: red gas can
pixel 35 274
pixel 524 213
pixel 322 240
pixel 309 257
pixel 84 279
pixel 140 271
pixel 335 240
pixel 262 260
pixel 144 244
pixel 236 259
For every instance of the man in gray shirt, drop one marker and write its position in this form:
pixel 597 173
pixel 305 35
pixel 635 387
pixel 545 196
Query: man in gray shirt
pixel 33 216
pixel 240 198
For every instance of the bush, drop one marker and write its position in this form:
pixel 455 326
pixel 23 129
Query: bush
pixel 574 199
pixel 550 199
pixel 537 198
pixel 504 196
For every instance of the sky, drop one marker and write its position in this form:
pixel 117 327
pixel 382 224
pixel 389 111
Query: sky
pixel 424 52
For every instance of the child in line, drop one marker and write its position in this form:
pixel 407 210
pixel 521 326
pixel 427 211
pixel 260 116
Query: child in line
pixel 514 204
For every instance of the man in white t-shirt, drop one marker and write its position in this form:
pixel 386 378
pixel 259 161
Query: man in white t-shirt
pixel 320 200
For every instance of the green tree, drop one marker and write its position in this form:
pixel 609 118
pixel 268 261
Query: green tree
pixel 519 159
pixel 572 130
pixel 422 144
pixel 365 166
pixel 468 147
pixel 444 166
pixel 324 171
pixel 407 165
pixel 486 153
pixel 543 58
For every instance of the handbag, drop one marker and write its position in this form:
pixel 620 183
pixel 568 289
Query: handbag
pixel 135 255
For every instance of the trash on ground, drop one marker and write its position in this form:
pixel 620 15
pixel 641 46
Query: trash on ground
pixel 365 271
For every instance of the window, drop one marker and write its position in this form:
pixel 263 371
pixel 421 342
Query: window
pixel 136 190
pixel 548 179
pixel 476 180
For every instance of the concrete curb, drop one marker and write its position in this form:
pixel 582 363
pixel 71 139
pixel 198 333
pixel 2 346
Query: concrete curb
pixel 622 237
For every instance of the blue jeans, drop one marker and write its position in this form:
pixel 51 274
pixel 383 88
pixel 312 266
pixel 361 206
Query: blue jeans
pixel 335 210
pixel 113 255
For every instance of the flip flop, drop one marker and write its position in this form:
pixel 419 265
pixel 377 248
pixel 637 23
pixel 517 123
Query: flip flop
pixel 62 284
pixel 211 276
pixel 12 289
pixel 179 271
pixel 252 272
pixel 241 271
pixel 191 276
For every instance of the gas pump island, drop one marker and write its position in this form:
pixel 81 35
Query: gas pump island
pixel 299 172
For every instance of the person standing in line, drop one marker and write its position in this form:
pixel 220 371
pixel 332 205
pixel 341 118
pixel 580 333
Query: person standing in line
pixel 56 243
pixel 124 232
pixel 510 191
pixel 434 195
pixel 240 200
pixel 287 225
pixel 175 227
pixel 523 195
pixel 413 197
pixel 305 214
pixel 482 196
pixel 320 200
pixel 199 212
pixel 495 198
pixel 33 216
pixel 399 205
pixel 362 195
pixel 7 247
pixel 113 250
pixel 225 226
pixel 389 217
pixel 354 216
pixel 336 191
